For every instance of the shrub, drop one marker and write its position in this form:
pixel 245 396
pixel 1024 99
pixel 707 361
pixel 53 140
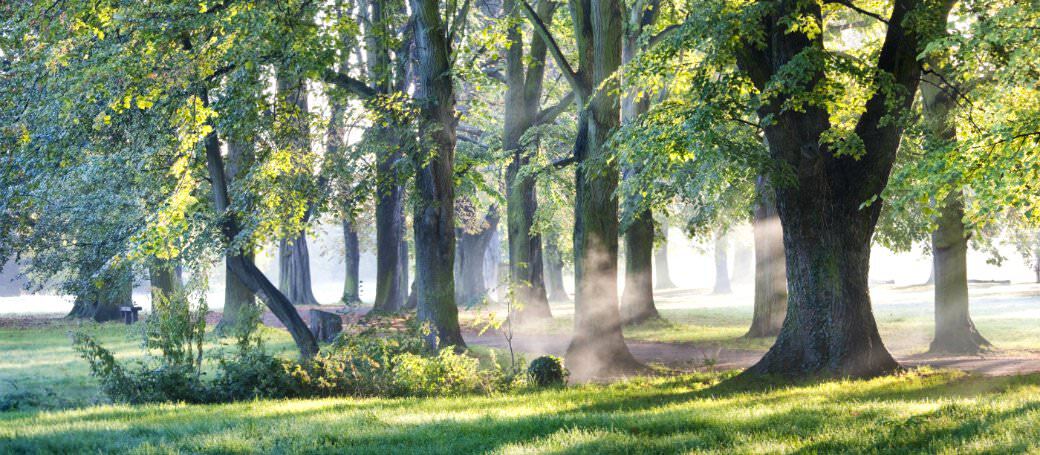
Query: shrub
pixel 547 371
pixel 447 373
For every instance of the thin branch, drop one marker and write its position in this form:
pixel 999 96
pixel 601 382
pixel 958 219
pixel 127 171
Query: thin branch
pixel 550 113
pixel 554 48
pixel 848 4
pixel 349 84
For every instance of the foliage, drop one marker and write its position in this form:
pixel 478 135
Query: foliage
pixel 547 371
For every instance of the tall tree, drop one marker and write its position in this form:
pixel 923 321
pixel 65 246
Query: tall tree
pixel 554 272
pixel 720 242
pixel 294 267
pixel 522 104
pixel 664 277
pixel 434 218
pixel 955 332
pixel 238 299
pixel 470 254
pixel 830 329
pixel 637 300
pixel 597 347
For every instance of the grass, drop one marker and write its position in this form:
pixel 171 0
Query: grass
pixel 914 412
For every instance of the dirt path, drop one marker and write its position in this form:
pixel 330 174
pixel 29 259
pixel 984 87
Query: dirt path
pixel 692 357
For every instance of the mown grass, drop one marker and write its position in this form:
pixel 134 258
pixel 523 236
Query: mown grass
pixel 40 370
pixel 913 412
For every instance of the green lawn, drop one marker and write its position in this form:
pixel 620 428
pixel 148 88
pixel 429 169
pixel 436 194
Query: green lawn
pixel 920 411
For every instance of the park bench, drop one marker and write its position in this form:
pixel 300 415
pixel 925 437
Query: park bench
pixel 129 313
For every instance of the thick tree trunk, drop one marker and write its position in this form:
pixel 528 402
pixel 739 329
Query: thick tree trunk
pixel 664 278
pixel 722 285
pixel 351 265
pixel 955 333
pixel 770 268
pixel 434 218
pixel 554 273
pixel 471 289
pixel 101 303
pixel 390 293
pixel 165 282
pixel 830 329
pixel 637 301
pixel 598 346
pixel 523 97
pixel 294 270
pixel 243 268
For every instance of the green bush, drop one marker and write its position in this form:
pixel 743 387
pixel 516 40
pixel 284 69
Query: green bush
pixel 547 371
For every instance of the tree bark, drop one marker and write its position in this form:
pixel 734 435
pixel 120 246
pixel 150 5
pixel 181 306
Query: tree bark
pixel 243 268
pixel 664 278
pixel 351 264
pixel 722 285
pixel 770 269
pixel 637 300
pixel 523 98
pixel 294 270
pixel 471 289
pixel 955 333
pixel 237 297
pixel 830 329
pixel 165 281
pixel 434 219
pixel 554 273
pixel 598 347
pixel 101 303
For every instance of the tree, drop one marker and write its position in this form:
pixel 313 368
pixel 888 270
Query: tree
pixel 830 329
pixel 637 300
pixel 470 255
pixel 433 218
pixel 664 278
pixel 597 347
pixel 720 243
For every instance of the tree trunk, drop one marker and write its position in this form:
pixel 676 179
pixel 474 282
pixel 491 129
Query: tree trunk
pixel 722 285
pixel 238 299
pixel 390 293
pixel 598 346
pixel 664 278
pixel 830 329
pixel 351 265
pixel 637 301
pixel 101 303
pixel 492 260
pixel 523 97
pixel 471 288
pixel 434 218
pixel 165 282
pixel 243 268
pixel 955 333
pixel 770 269
pixel 294 270
pixel 554 273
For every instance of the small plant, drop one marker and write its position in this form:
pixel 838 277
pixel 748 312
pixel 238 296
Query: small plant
pixel 547 371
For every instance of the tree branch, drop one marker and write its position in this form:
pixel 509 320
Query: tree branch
pixel 848 4
pixel 350 84
pixel 550 113
pixel 554 48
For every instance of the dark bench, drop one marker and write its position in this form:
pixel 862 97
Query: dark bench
pixel 129 313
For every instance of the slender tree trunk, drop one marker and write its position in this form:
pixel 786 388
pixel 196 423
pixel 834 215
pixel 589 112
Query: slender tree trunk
pixel 243 268
pixel 598 346
pixel 770 269
pixel 955 333
pixel 954 330
pixel 554 273
pixel 471 288
pixel 351 264
pixel 293 258
pixel 434 218
pixel 523 97
pixel 664 278
pixel 637 300
pixel 722 285
pixel 238 299
pixel 492 260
